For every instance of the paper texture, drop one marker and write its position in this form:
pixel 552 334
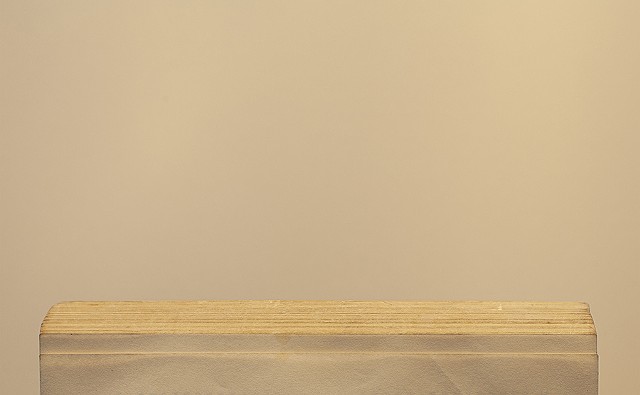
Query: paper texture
pixel 319 373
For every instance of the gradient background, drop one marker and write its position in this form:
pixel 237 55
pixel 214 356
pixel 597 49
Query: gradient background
pixel 291 149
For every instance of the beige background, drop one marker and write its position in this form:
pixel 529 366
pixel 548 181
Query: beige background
pixel 320 149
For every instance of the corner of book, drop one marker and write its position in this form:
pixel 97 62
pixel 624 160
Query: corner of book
pixel 45 319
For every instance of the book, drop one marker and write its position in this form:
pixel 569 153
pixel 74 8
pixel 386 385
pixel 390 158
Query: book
pixel 318 347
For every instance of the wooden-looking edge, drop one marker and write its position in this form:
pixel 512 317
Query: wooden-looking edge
pixel 319 317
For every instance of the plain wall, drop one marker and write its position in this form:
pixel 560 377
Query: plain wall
pixel 356 149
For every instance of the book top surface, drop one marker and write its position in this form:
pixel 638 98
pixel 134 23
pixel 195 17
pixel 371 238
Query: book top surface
pixel 282 317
